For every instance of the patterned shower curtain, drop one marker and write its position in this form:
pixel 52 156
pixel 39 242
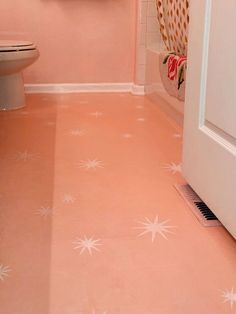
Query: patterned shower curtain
pixel 173 16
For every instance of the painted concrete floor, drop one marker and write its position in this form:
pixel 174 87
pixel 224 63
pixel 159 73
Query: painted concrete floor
pixel 90 222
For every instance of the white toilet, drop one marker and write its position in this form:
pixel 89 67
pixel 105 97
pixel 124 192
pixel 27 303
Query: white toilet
pixel 15 56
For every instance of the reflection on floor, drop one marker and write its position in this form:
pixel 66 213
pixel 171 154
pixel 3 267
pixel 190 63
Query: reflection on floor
pixel 89 220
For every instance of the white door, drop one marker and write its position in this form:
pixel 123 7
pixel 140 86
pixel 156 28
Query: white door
pixel 209 154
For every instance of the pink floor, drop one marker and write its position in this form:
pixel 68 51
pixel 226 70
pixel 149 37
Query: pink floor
pixel 90 222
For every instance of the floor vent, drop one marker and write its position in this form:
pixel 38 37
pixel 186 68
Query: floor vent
pixel 198 207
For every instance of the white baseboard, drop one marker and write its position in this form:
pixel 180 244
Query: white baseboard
pixel 138 89
pixel 85 88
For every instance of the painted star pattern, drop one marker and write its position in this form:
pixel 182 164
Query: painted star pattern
pixel 173 168
pixel 69 199
pixel 153 228
pixel 83 102
pixel 77 132
pixel 229 296
pixel 94 312
pixel 50 123
pixel 4 272
pixel 177 135
pixel 25 156
pixel 156 227
pixel 97 114
pixel 127 135
pixel 90 164
pixel 44 211
pixel 87 244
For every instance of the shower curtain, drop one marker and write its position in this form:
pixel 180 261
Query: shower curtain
pixel 173 17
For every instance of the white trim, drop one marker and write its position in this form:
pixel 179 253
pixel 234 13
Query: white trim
pixel 85 88
pixel 138 89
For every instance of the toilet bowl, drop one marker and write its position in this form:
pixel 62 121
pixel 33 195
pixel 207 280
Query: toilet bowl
pixel 15 56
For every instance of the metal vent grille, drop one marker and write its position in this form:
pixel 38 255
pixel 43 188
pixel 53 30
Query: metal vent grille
pixel 198 207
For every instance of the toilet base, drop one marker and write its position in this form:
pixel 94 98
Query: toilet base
pixel 12 95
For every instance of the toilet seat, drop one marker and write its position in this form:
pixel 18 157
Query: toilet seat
pixel 13 45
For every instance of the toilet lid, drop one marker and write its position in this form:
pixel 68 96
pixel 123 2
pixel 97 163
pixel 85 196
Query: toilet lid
pixel 16 45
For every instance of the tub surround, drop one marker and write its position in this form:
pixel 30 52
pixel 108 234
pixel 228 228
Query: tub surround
pixel 148 46
pixel 155 90
pixel 147 34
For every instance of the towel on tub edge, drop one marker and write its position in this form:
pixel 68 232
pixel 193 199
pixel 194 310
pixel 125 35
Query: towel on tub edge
pixel 173 73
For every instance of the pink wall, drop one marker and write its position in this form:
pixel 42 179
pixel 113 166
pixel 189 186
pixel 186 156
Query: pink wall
pixel 81 41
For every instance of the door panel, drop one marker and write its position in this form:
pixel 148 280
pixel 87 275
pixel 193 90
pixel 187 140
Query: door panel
pixel 209 153
pixel 220 108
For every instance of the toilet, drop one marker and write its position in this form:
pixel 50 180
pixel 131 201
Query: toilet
pixel 15 56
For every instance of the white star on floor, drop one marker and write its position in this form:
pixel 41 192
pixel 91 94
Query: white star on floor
pixel 83 101
pixel 50 123
pixel 230 296
pixel 87 244
pixel 25 156
pixel 155 227
pixel 173 168
pixel 94 312
pixel 77 132
pixel 177 135
pixel 141 119
pixel 4 270
pixel 127 135
pixel 44 211
pixel 90 164
pixel 97 114
pixel 69 199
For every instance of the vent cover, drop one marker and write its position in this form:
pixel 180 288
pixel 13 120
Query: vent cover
pixel 198 207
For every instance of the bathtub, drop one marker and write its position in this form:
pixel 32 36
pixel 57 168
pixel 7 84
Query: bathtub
pixel 155 90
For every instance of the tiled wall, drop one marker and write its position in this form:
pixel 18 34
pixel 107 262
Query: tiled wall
pixel 147 35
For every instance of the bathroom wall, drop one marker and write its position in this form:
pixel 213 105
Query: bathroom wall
pixel 80 41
